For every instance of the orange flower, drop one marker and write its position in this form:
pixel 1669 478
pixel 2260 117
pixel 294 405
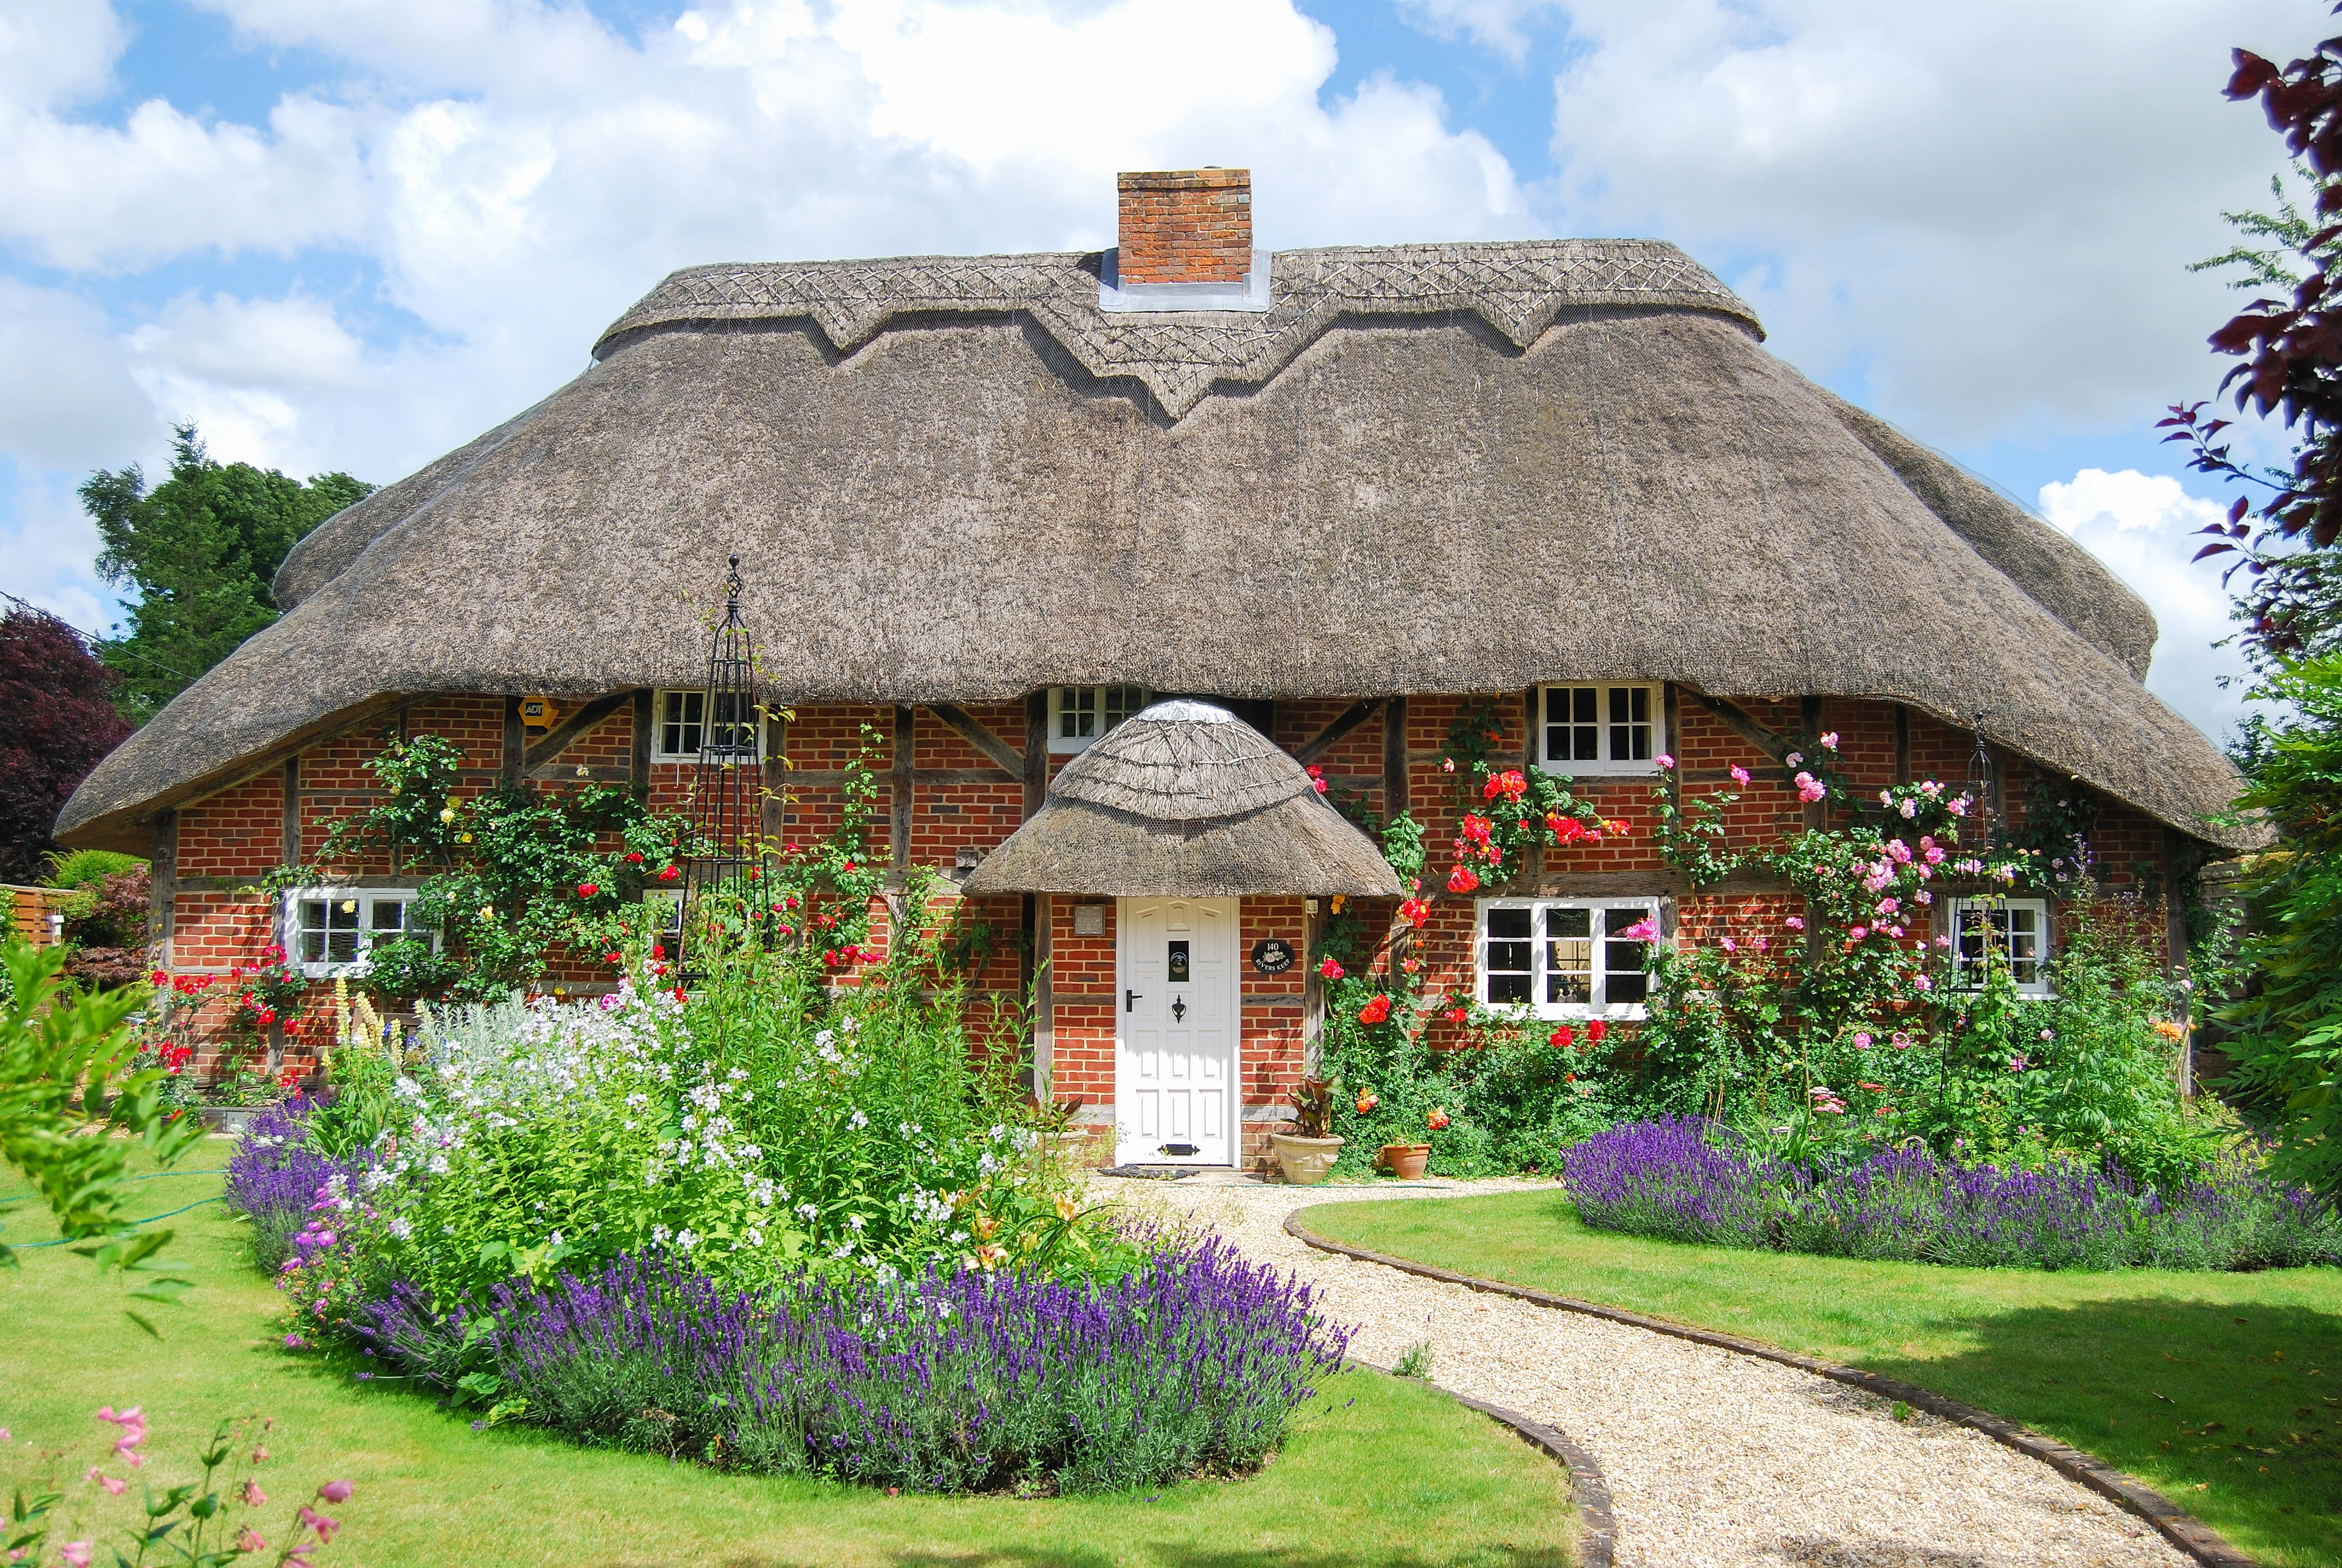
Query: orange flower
pixel 1375 1011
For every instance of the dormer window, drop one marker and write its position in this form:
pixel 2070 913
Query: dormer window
pixel 1080 714
pixel 1600 729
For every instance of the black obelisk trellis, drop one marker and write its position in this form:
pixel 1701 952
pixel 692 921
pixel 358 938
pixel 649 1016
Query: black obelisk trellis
pixel 724 876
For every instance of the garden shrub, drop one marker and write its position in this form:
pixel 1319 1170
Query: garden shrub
pixel 1690 1181
pixel 943 1382
pixel 278 1173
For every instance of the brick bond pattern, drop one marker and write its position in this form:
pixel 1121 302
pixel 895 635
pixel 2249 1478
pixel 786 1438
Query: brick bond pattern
pixel 237 835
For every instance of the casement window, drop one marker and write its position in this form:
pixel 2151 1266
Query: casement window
pixel 1601 729
pixel 2017 929
pixel 682 727
pixel 328 930
pixel 1565 957
pixel 1080 714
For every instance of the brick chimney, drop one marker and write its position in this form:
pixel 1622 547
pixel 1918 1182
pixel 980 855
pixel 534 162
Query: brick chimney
pixel 1186 227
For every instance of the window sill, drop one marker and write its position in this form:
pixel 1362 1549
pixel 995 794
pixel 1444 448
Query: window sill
pixel 1572 1011
pixel 1601 770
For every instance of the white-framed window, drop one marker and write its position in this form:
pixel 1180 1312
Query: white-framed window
pixel 1604 729
pixel 1565 957
pixel 1080 714
pixel 2018 929
pixel 680 725
pixel 328 930
pixel 663 916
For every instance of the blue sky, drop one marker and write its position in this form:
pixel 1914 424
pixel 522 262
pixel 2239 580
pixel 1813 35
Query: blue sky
pixel 352 234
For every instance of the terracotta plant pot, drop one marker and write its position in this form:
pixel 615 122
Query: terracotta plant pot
pixel 1407 1161
pixel 1305 1161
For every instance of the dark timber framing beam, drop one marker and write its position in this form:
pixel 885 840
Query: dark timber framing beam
pixel 513 770
pixel 901 783
pixel 1036 771
pixel 557 739
pixel 1737 721
pixel 1395 757
pixel 638 760
pixel 1350 718
pixel 290 846
pixel 969 729
pixel 163 886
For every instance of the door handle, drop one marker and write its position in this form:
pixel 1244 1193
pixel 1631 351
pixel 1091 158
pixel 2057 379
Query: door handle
pixel 1128 998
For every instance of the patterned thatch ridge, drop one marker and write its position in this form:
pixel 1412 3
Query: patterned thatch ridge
pixel 1185 798
pixel 1428 469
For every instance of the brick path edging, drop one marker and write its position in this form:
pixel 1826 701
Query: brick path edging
pixel 2198 1540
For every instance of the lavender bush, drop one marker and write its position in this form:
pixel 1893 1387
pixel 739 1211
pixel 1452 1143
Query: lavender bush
pixel 1679 1177
pixel 1694 1181
pixel 274 1177
pixel 944 1383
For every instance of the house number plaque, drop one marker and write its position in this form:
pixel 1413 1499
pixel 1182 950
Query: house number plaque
pixel 1272 955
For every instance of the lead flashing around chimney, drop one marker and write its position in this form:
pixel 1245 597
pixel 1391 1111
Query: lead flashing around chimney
pixel 1123 299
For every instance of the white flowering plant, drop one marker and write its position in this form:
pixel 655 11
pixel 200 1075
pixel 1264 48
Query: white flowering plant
pixel 758 1124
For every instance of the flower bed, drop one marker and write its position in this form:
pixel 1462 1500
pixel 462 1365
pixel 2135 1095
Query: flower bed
pixel 1695 1181
pixel 764 1224
pixel 961 1382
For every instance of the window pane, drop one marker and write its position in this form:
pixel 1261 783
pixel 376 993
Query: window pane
pixel 309 942
pixel 2025 946
pixel 1623 979
pixel 732 729
pixel 1630 723
pixel 389 918
pixel 1505 959
pixel 1121 701
pixel 679 732
pixel 1077 713
pixel 341 929
pixel 1569 955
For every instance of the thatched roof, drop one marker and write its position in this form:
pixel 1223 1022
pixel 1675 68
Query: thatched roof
pixel 1185 798
pixel 1426 469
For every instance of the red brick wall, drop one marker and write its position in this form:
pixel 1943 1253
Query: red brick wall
pixel 1185 225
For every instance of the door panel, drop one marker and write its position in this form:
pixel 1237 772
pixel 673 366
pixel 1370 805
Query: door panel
pixel 1176 1039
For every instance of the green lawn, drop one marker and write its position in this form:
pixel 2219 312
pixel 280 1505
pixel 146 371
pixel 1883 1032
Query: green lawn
pixel 1376 1470
pixel 2224 1392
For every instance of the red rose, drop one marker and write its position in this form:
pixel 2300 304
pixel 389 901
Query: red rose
pixel 1457 1015
pixel 588 889
pixel 267 1016
pixel 1562 1039
pixel 634 857
pixel 1330 969
pixel 670 873
pixel 1462 880
pixel 1595 1029
pixel 1375 1011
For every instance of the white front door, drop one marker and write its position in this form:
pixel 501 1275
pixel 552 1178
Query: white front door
pixel 1176 1100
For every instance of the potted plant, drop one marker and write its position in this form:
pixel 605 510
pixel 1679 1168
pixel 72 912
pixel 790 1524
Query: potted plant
pixel 1408 1162
pixel 1307 1152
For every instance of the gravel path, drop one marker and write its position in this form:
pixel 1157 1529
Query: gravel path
pixel 1714 1460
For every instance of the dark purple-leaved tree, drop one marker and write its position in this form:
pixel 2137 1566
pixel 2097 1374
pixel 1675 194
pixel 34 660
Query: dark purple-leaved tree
pixel 57 717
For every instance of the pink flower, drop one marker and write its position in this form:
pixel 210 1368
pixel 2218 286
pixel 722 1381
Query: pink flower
pixel 1810 789
pixel 1856 932
pixel 1643 930
pixel 1902 1041
pixel 1795 923
pixel 335 1491
pixel 251 1496
pixel 1829 742
pixel 1728 945
pixel 75 1553
pixel 1862 1042
pixel 1739 775
pixel 317 1522
pixel 1665 762
pixel 250 1541
pixel 113 1487
pixel 1887 906
pixel 1923 982
pixel 1958 807
pixel 1330 969
pixel 1793 759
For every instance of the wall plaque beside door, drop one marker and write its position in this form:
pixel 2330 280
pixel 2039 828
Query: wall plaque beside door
pixel 1272 955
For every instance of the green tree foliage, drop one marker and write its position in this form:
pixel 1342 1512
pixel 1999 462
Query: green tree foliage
pixel 199 549
pixel 2290 1043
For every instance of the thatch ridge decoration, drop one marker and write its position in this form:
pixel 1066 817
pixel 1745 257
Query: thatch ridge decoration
pixel 1184 799
pixel 1518 287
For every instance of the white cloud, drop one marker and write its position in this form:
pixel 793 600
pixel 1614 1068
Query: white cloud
pixel 47 544
pixel 1493 24
pixel 70 399
pixel 1986 207
pixel 2143 525
pixel 57 51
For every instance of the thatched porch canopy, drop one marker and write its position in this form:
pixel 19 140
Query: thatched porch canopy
pixel 1183 798
pixel 1423 469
